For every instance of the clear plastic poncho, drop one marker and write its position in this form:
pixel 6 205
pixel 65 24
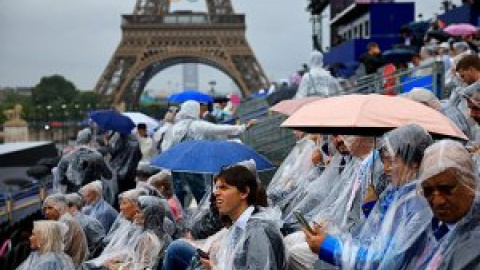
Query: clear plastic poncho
pixel 75 240
pixel 122 234
pixel 259 246
pixel 458 247
pixel 93 229
pixel 188 126
pixel 290 174
pixel 319 189
pixel 318 81
pixel 82 166
pixel 100 210
pixel 50 255
pixel 338 196
pixel 322 191
pixel 205 221
pixel 125 156
pixel 343 204
pixel 399 218
pixel 147 251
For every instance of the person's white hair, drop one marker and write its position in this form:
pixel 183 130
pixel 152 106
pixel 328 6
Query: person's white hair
pixel 74 199
pixel 50 235
pixel 58 202
pixel 95 186
pixel 132 194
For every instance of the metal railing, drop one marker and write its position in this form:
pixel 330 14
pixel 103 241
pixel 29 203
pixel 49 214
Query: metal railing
pixel 179 19
pixel 269 139
pixel 431 76
pixel 18 205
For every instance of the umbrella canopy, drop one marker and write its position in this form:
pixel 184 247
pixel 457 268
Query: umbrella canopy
pixel 418 29
pixel 460 29
pixel 113 120
pixel 439 35
pixel 288 107
pixel 205 156
pixel 370 115
pixel 138 117
pixel 398 55
pixel 190 95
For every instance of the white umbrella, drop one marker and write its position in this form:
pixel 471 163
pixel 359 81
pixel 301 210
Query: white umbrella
pixel 138 117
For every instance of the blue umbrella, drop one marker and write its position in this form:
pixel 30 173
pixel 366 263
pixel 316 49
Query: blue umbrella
pixel 205 156
pixel 190 95
pixel 113 120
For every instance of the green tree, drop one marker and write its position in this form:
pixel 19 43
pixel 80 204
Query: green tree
pixel 54 89
pixel 87 97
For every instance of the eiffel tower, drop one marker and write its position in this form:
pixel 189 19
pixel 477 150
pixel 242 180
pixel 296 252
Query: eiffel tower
pixel 154 38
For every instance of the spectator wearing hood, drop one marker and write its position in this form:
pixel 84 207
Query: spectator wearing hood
pixel 189 126
pixel 427 98
pixel 400 217
pixel 448 181
pixel 318 81
pixel 125 155
pixel 83 165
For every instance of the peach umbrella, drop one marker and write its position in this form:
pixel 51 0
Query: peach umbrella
pixel 289 106
pixel 370 115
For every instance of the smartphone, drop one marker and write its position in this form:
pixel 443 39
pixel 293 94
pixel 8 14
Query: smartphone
pixel 303 221
pixel 202 254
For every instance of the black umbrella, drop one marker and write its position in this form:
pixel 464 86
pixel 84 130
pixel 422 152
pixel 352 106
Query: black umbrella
pixel 398 55
pixel 439 35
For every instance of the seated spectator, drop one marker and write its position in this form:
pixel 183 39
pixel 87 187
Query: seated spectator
pixel 450 185
pixel 254 240
pixel 124 231
pixel 92 228
pixel 55 208
pixel 147 250
pixel 400 217
pixel 47 242
pixel 429 99
pixel 96 206
pixel 162 181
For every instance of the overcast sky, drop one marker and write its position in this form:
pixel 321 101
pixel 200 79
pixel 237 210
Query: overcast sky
pixel 76 38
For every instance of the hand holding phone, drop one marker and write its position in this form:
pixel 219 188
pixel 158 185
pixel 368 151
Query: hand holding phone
pixel 203 254
pixel 301 219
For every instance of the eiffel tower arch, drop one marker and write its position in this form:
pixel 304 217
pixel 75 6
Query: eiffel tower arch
pixel 153 39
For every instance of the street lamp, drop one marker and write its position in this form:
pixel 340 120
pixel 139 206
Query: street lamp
pixel 47 125
pixel 64 122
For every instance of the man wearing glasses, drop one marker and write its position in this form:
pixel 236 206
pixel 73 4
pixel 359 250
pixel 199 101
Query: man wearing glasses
pixel 449 183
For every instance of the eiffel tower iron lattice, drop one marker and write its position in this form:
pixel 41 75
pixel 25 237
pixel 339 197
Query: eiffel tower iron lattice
pixel 153 39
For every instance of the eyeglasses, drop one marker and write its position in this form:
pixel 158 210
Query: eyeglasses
pixel 442 189
pixel 385 157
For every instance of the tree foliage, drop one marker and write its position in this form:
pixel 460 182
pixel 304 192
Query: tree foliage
pixel 54 89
